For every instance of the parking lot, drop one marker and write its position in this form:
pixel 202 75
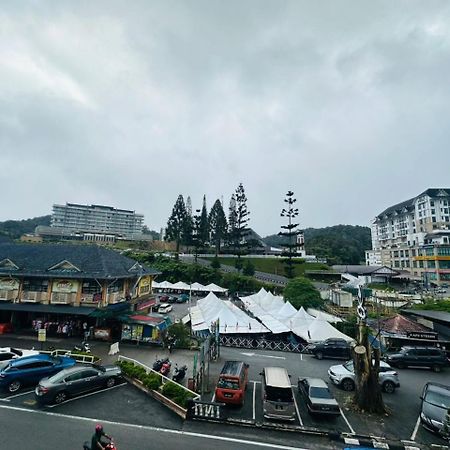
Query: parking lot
pixel 400 423
pixel 122 403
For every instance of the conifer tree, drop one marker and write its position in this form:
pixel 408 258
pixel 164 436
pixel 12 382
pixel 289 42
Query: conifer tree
pixel 176 225
pixel 204 228
pixel 217 225
pixel 239 218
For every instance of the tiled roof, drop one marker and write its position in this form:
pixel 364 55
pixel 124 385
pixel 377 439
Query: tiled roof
pixel 401 325
pixel 91 260
pixel 409 204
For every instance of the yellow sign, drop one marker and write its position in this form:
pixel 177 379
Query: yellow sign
pixel 65 286
pixel 42 335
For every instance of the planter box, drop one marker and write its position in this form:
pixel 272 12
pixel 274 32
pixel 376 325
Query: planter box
pixel 177 409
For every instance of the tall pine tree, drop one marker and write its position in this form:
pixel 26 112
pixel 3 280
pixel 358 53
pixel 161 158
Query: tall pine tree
pixel 291 234
pixel 217 225
pixel 189 224
pixel 176 225
pixel 240 217
pixel 204 228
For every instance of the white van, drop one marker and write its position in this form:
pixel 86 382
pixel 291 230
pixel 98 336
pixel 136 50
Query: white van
pixel 278 397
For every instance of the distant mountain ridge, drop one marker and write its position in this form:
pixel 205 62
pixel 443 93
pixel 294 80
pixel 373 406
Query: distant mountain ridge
pixel 339 244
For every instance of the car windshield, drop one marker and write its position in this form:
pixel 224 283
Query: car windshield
pixel 320 392
pixel 100 368
pixel 278 394
pixel 438 399
pixel 349 366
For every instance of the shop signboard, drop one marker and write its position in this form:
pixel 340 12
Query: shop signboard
pixel 429 335
pixel 65 286
pixel 136 332
pixel 146 304
pixel 42 335
pixel 144 285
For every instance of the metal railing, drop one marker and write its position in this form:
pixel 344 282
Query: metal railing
pixel 83 359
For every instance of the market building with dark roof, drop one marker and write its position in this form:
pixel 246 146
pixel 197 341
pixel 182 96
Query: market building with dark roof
pixel 69 280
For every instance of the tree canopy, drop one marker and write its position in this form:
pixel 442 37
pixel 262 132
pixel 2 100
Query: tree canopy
pixel 301 292
pixel 217 225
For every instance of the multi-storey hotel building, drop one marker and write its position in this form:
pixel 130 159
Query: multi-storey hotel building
pixel 415 236
pixel 93 222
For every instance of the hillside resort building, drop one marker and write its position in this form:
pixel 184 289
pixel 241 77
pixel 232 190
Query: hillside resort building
pixel 93 223
pixel 414 236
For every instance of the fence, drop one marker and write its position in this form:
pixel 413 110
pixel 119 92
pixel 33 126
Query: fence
pixel 261 344
pixel 83 359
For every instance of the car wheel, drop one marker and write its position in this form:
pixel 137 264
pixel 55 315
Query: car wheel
pixel 436 368
pixel 110 382
pixel 348 385
pixel 389 387
pixel 14 386
pixel 60 397
pixel 319 355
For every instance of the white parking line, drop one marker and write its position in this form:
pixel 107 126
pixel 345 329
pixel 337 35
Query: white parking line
pixel 86 395
pixel 346 421
pixel 213 398
pixel 301 357
pixel 416 429
pixel 17 395
pixel 254 400
pixel 298 412
pixel 150 428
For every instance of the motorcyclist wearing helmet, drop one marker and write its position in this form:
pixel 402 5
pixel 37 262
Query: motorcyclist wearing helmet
pixel 96 442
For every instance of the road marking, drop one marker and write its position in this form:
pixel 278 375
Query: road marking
pixel 86 395
pixel 346 421
pixel 416 429
pixel 298 412
pixel 213 399
pixel 254 400
pixel 301 357
pixel 263 356
pixel 150 428
pixel 17 395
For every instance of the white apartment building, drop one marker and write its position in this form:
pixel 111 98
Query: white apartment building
pixel 93 223
pixel 414 236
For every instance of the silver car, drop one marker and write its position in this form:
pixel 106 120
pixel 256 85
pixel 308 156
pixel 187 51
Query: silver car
pixel 343 375
pixel 74 381
pixel 317 396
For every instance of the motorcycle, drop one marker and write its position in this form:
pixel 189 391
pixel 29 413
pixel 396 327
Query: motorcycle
pixel 179 373
pixel 84 347
pixel 159 363
pixel 108 446
pixel 165 368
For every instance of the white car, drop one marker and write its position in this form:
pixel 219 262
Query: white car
pixel 164 308
pixel 7 354
pixel 343 375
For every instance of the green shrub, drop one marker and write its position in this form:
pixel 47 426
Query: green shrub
pixel 152 381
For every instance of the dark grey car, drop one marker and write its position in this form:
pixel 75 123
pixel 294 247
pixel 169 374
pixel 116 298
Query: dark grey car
pixel 74 381
pixel 318 397
pixel 435 403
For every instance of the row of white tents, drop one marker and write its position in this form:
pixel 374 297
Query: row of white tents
pixel 268 313
pixel 194 287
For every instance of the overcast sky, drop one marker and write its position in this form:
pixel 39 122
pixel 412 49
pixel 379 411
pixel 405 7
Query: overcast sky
pixel 129 104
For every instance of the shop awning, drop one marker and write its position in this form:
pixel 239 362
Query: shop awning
pixel 47 309
pixel 111 311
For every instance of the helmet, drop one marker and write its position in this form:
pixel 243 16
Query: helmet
pixel 98 428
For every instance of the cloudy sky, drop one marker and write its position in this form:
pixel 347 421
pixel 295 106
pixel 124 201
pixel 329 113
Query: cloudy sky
pixel 129 104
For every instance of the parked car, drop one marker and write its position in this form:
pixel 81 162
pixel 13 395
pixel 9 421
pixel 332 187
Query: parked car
pixel 164 298
pixel 432 357
pixel 317 396
pixel 435 402
pixel 183 298
pixel 331 348
pixel 164 308
pixel 343 375
pixel 76 380
pixel 30 369
pixel 7 354
pixel 171 299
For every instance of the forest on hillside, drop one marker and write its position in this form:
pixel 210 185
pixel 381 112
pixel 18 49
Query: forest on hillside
pixel 339 244
pixel 16 228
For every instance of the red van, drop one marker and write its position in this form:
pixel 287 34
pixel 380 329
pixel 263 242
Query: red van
pixel 232 383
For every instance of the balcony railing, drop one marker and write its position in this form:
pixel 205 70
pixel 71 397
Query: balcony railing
pixel 7 294
pixel 61 298
pixel 34 296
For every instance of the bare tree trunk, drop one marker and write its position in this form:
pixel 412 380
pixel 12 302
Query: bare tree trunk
pixel 368 396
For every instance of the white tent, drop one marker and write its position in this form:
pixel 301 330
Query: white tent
pixel 198 287
pixel 155 284
pixel 324 315
pixel 181 286
pixel 214 288
pixel 231 318
pixel 320 330
pixel 165 285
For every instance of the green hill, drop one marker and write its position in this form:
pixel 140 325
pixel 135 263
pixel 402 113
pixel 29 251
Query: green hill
pixel 15 228
pixel 339 244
